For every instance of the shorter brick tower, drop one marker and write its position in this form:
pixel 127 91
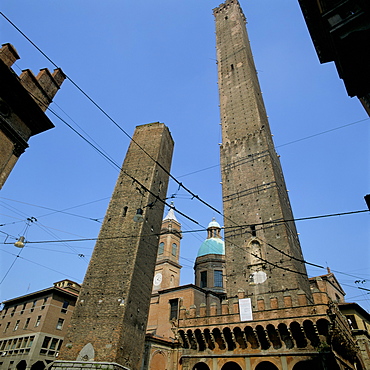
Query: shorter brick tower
pixel 23 101
pixel 109 322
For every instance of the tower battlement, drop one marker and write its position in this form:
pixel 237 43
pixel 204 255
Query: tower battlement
pixel 223 7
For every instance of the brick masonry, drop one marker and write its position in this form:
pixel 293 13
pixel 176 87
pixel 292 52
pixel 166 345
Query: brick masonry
pixel 109 322
pixel 23 101
pixel 253 185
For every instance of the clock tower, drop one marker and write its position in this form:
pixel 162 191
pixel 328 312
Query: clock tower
pixel 167 270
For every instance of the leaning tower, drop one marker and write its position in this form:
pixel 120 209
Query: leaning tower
pixel 271 319
pixel 263 254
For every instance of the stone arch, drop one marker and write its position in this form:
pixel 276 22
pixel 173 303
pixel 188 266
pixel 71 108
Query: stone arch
pixel 298 335
pixel 200 340
pixel 229 339
pixel 218 338
pixel 314 363
pixel 311 333
pixel 251 337
pixel 183 339
pixel 158 361
pixel 21 365
pixel 191 338
pixel 261 334
pixel 200 366
pixel 231 365
pixel 239 337
pixel 266 365
pixel 286 336
pixel 273 336
pixel 39 365
pixel 323 327
pixel 208 338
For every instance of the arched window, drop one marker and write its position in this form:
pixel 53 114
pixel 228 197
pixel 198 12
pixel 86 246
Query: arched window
pixel 158 361
pixel 174 249
pixel 200 366
pixel 161 248
pixel 231 365
pixel 256 253
pixel 266 365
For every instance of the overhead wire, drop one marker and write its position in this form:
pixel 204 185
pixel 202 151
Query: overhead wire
pixel 202 230
pixel 180 184
pixel 39 264
pixel 118 126
pixel 282 145
pixel 58 211
pixel 112 120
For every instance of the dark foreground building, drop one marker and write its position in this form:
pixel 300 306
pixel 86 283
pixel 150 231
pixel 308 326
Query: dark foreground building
pixel 23 101
pixel 340 32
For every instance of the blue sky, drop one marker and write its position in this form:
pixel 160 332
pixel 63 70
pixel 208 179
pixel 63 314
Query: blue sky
pixel 148 61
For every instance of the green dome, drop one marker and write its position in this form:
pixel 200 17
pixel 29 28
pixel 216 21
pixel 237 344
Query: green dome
pixel 212 246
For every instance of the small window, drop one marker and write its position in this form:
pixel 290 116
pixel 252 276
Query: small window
pixel 217 274
pixel 60 324
pixel 352 321
pixel 161 248
pixel 253 230
pixel 30 342
pixel 45 343
pixel 53 344
pixel 16 326
pixel 7 326
pixel 174 249
pixel 23 308
pixel 203 279
pixel 43 303
pixel 65 307
pixel 174 308
pixel 26 323
pixel 5 312
pixel 38 320
pixel 33 305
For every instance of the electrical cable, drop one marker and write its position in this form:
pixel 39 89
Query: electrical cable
pixel 39 264
pixel 281 145
pixel 202 230
pixel 55 210
pixel 113 121
pixel 159 164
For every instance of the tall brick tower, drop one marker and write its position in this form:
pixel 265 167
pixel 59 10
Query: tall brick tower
pixel 263 254
pixel 109 321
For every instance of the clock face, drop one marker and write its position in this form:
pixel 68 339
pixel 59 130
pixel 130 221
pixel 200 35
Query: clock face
pixel 157 279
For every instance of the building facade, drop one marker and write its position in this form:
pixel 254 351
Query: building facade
pixel 33 326
pixel 340 32
pixel 23 101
